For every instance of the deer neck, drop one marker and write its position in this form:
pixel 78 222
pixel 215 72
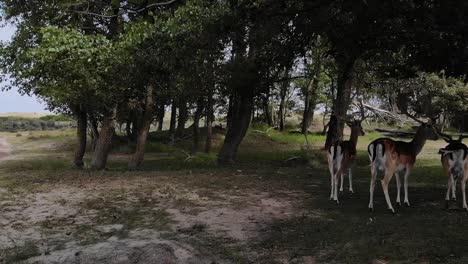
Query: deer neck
pixel 418 141
pixel 354 136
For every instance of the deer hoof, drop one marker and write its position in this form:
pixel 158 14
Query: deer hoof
pixel 398 204
pixel 407 204
pixel 371 209
pixel 454 199
pixel 447 204
pixel 391 210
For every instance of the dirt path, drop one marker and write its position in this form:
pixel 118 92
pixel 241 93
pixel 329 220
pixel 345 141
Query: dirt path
pixel 5 149
pixel 120 221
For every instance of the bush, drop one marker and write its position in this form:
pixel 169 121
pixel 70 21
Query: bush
pixel 56 118
pixel 16 124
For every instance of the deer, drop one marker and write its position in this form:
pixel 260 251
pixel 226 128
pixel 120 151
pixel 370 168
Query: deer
pixel 340 157
pixel 455 164
pixel 391 157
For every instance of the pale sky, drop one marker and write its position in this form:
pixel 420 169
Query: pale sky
pixel 12 101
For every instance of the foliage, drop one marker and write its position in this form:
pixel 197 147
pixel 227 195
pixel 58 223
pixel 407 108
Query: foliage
pixel 14 124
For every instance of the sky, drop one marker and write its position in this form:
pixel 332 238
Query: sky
pixel 12 101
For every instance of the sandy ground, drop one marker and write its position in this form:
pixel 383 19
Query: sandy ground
pixel 59 222
pixel 5 149
pixel 236 218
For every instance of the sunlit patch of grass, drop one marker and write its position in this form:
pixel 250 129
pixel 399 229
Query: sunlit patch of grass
pixel 159 147
pixel 115 208
pixel 19 253
pixel 43 164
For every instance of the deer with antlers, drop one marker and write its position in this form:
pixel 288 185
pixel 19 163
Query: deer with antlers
pixel 455 165
pixel 390 157
pixel 341 156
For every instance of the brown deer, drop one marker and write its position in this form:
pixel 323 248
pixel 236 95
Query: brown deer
pixel 341 156
pixel 390 157
pixel 455 164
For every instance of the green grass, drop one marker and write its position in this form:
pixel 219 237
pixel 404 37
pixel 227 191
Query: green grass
pixel 19 253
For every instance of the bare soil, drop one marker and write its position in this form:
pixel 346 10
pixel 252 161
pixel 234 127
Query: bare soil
pixel 145 218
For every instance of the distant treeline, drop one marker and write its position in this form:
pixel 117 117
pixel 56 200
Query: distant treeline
pixel 48 122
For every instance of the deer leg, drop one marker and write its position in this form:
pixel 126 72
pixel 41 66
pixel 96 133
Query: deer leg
pixel 341 183
pixel 350 175
pixel 447 196
pixel 385 182
pixel 407 172
pixel 454 188
pixel 372 187
pixel 332 175
pixel 463 184
pixel 335 196
pixel 398 184
pixel 332 180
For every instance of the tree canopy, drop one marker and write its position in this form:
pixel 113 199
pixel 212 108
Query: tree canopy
pixel 233 60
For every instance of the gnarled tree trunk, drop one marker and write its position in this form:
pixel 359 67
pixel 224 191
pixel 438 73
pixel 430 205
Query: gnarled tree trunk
pixel 342 102
pixel 104 141
pixel 172 122
pixel 311 92
pixel 160 116
pixel 209 122
pixel 241 111
pixel 196 124
pixel 266 108
pixel 81 129
pixel 143 130
pixel 183 117
pixel 94 131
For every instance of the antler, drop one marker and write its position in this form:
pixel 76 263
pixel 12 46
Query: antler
pixel 402 102
pixel 448 138
pixel 461 137
pixel 362 110
pixel 413 117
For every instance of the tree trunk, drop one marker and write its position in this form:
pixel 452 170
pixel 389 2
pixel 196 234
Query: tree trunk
pixel 244 79
pixel 160 116
pixel 135 126
pixel 172 122
pixel 229 112
pixel 81 129
pixel 266 108
pixel 183 117
pixel 341 103
pixel 282 106
pixel 128 131
pixel 94 131
pixel 238 125
pixel 104 141
pixel 209 122
pixel 143 130
pixel 311 95
pixel 196 124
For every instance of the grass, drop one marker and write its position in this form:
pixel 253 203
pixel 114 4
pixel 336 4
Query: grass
pixel 269 161
pixel 19 253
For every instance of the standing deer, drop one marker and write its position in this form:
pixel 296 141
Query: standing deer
pixel 455 165
pixel 391 157
pixel 341 156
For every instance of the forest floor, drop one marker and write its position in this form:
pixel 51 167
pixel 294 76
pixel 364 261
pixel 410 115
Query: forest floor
pixel 178 208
